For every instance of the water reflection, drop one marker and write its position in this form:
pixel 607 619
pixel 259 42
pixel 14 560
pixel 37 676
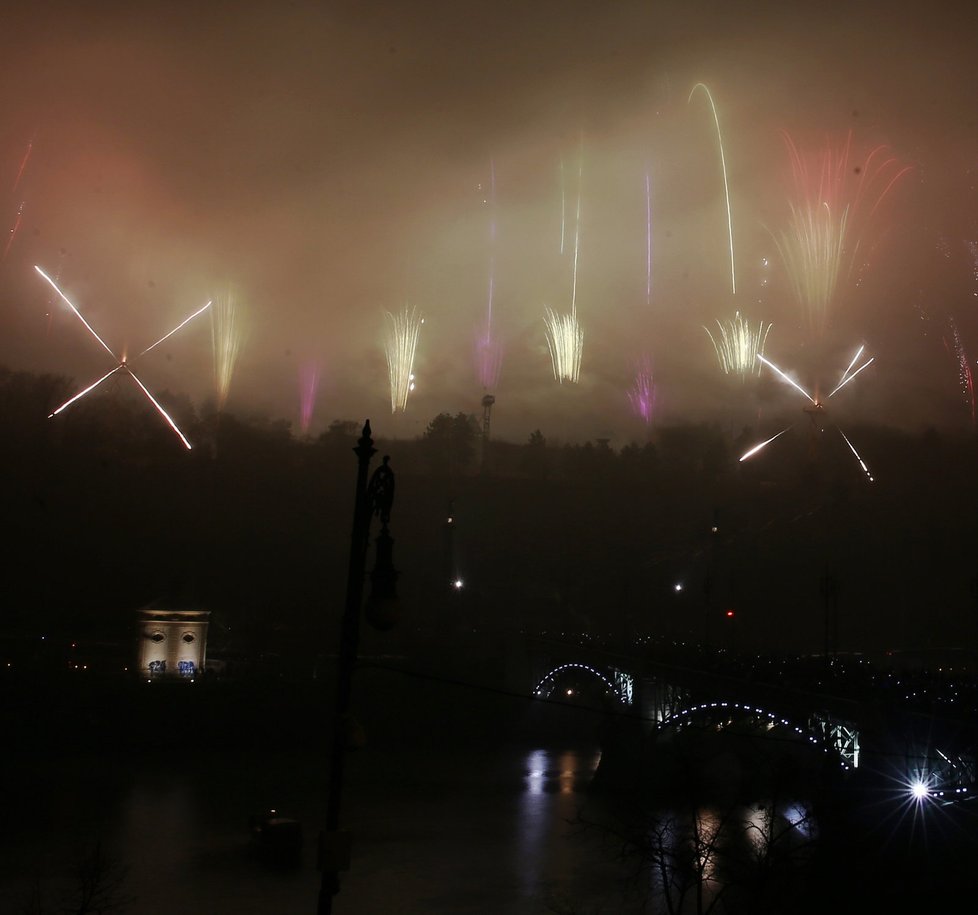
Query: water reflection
pixel 563 772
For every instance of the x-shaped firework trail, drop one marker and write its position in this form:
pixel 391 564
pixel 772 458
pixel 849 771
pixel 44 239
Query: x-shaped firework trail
pixel 122 363
pixel 817 407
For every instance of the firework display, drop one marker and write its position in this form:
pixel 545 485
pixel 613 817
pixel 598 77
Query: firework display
pixel 831 212
pixel 565 336
pixel 123 363
pixel 403 332
pixel 738 346
pixel 641 395
pixel 226 341
pixel 489 356
pixel 19 213
pixel 308 388
pixel 726 186
pixel 817 412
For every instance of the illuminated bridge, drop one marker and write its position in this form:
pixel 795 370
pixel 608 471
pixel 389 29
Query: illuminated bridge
pixel 931 754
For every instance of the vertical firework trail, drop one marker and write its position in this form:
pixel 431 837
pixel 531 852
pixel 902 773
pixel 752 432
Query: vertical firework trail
pixel 226 340
pixel 489 354
pixel 830 213
pixel 738 346
pixel 18 217
pixel 648 239
pixel 308 387
pixel 641 395
pixel 403 331
pixel 966 381
pixel 726 187
pixel 563 205
pixel 565 336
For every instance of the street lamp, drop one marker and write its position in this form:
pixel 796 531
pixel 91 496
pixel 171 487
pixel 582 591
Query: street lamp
pixel 375 498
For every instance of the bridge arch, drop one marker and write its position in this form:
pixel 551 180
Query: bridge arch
pixel 818 732
pixel 616 683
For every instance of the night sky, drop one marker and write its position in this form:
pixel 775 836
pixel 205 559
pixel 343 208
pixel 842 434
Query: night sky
pixel 329 162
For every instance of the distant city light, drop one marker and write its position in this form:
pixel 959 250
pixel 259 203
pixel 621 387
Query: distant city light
pixel 677 587
pixel 457 584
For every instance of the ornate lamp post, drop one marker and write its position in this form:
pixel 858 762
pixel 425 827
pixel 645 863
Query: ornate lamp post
pixel 370 499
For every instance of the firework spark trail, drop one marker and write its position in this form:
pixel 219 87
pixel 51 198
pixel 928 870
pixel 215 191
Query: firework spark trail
pixel 12 234
pixel 738 347
pixel 565 339
pixel 648 239
pixel 122 366
pixel 175 329
pixel 489 355
pixel 790 381
pixel 160 409
pixel 565 336
pixel 846 380
pixel 23 164
pixel 66 300
pixel 858 458
pixel 577 227
pixel 726 188
pixel 965 377
pixel 829 218
pixel 308 386
pixel 641 395
pixel 81 394
pixel 227 338
pixel 757 448
pixel 403 332
pixel 819 409
pixel 845 374
pixel 563 205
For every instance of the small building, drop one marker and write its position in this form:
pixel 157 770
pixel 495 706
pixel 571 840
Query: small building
pixel 172 643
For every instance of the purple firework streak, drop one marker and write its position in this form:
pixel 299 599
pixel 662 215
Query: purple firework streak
pixel 308 388
pixel 641 395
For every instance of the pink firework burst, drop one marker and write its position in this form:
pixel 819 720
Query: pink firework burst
pixel 641 395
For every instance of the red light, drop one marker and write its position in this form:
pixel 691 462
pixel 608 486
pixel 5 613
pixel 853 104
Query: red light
pixel 730 614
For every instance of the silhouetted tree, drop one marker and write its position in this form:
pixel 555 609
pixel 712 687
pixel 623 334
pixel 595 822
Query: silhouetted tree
pixel 449 443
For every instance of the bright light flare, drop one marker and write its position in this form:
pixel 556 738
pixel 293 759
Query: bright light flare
pixel 403 332
pixel 738 346
pixel 757 448
pixel 790 381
